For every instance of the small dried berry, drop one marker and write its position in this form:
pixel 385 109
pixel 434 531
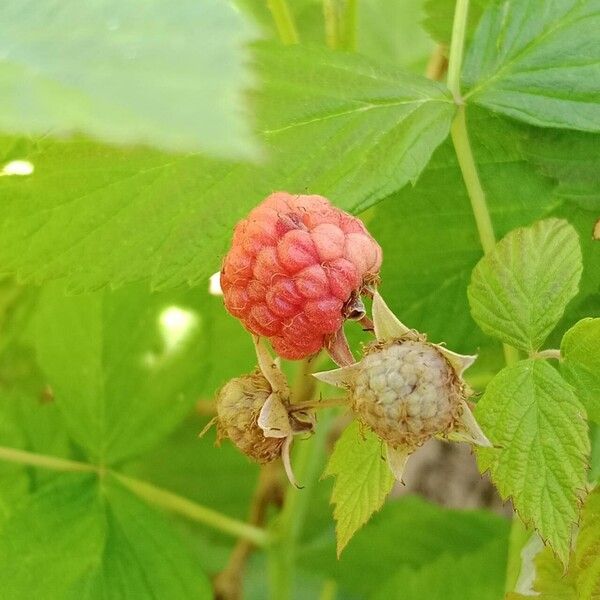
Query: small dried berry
pixel 238 407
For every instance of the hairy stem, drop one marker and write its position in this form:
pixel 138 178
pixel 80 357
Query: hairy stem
pixel 284 21
pixel 549 353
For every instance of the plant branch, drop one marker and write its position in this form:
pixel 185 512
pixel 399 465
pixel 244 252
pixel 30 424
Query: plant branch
pixel 46 462
pixel 318 404
pixel 284 21
pixel 196 512
pixel 457 45
pixel 350 25
pixel 550 353
pixel 228 584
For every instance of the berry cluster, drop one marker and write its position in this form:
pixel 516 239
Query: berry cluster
pixel 296 270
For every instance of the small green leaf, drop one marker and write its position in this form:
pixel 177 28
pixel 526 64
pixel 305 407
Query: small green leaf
pixel 538 427
pixel 519 290
pixel 363 480
pixel 587 550
pixel 123 375
pixel 171 76
pixel 538 61
pixel 580 351
pixel 475 576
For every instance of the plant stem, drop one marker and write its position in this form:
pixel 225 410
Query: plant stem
pixel 550 353
pixel 468 167
pixel 330 18
pixel 284 21
pixel 459 28
pixel 288 526
pixel 319 404
pixel 195 512
pixel 46 462
pixel 350 25
pixel 466 161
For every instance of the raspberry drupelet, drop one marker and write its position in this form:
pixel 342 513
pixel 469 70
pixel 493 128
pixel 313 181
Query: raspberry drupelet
pixel 296 270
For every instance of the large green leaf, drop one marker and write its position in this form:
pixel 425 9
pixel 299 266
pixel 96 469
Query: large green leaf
pixel 142 557
pixel 408 533
pixel 474 576
pixel 99 215
pixel 430 237
pixel 53 540
pixel 121 372
pixel 78 538
pixel 580 350
pixel 128 72
pixel 538 61
pixel 520 289
pixel 538 427
pixel 363 480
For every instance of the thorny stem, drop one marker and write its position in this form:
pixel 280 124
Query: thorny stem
pixel 284 21
pixel 437 65
pixel 466 161
pixel 155 495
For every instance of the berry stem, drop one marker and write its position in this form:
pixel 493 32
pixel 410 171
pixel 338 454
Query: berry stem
pixel 316 405
pixel 284 21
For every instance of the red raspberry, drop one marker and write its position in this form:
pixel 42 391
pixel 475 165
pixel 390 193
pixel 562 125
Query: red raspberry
pixel 295 265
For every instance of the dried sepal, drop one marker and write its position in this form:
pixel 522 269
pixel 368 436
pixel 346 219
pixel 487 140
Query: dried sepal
pixel 397 459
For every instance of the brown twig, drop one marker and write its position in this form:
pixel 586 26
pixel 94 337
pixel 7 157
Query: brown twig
pixel 228 583
pixel 438 64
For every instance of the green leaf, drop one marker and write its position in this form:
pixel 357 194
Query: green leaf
pixel 475 576
pixel 538 61
pixel 363 480
pixel 582 579
pixel 572 158
pixel 439 16
pixel 519 290
pixel 98 215
pixel 538 427
pixel 52 541
pixel 410 533
pixel 126 72
pixel 78 539
pixel 387 121
pixel 123 374
pixel 580 352
pixel 587 550
pixel 158 564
